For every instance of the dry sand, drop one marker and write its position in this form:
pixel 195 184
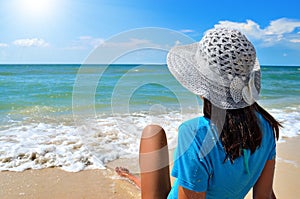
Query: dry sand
pixel 55 184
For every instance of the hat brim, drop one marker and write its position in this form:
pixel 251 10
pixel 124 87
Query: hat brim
pixel 195 75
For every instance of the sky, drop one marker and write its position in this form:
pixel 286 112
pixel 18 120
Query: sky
pixel 68 31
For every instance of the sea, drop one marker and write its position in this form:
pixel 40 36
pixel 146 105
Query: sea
pixel 79 117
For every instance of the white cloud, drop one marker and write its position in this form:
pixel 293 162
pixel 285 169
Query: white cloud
pixel 282 26
pixel 250 28
pixel 34 42
pixel 132 44
pixel 3 45
pixel 85 42
pixel 295 40
pixel 94 42
pixel 278 30
pixel 187 31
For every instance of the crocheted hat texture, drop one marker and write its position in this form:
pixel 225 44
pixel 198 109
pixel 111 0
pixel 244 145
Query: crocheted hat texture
pixel 222 67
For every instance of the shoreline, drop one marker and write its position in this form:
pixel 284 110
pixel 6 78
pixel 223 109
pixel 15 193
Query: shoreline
pixel 56 183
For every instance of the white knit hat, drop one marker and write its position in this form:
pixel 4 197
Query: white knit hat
pixel 222 68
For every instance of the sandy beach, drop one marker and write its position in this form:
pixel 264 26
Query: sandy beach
pixel 287 172
pixel 55 183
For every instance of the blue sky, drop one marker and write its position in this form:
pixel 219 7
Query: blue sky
pixel 67 31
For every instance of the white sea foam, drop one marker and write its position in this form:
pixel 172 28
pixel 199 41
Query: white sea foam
pixel 42 145
pixel 292 162
pixel 290 120
pixel 88 145
pixel 94 142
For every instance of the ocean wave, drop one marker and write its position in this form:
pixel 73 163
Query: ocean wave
pixel 90 143
pixel 32 144
pixel 290 120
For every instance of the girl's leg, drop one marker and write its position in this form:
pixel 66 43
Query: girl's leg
pixel 154 163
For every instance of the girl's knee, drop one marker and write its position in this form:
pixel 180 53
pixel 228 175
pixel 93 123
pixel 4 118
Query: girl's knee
pixel 153 130
pixel 153 149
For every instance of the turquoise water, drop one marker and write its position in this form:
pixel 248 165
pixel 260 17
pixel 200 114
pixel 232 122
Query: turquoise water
pixel 25 86
pixel 40 86
pixel 280 87
pixel 38 104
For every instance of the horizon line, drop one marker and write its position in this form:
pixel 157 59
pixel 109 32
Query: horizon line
pixel 1 64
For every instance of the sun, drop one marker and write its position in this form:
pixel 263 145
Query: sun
pixel 36 14
pixel 37 8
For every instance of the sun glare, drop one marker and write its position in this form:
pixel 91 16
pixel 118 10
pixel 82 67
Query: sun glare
pixel 37 8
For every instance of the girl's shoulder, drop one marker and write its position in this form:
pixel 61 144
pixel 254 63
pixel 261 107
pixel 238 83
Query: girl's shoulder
pixel 196 127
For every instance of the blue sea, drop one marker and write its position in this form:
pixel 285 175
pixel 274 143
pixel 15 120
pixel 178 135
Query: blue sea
pixel 83 116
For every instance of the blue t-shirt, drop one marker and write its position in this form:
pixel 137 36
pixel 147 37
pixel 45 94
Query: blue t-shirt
pixel 199 161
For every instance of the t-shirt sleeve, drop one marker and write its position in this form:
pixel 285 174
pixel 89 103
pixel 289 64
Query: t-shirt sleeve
pixel 191 170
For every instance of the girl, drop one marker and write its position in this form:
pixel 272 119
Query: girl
pixel 232 147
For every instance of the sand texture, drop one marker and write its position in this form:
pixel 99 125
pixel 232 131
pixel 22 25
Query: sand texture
pixel 55 184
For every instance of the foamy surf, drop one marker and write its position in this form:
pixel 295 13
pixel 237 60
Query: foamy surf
pixel 95 142
pixel 73 148
pixel 41 145
pixel 290 120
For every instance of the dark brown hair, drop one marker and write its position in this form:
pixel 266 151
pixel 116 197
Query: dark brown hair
pixel 239 127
